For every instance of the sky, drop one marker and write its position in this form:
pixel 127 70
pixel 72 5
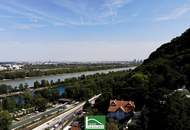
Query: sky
pixel 88 30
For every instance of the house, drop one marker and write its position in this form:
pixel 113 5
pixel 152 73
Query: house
pixel 120 110
pixel 75 126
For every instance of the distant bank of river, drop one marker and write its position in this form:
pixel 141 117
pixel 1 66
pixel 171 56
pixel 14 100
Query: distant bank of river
pixel 30 81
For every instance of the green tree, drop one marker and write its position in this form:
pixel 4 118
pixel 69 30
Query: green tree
pixel 112 125
pixel 44 83
pixel 51 82
pixel 37 84
pixel 5 88
pixel 9 104
pixel 5 120
pixel 25 86
pixel 28 99
pixel 177 110
pixel 58 81
pixel 21 87
pixel 139 80
pixel 40 103
pixel 167 114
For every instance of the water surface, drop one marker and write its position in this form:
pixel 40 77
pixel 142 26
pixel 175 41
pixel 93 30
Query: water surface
pixel 30 81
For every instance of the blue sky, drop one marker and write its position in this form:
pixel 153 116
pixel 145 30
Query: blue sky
pixel 88 30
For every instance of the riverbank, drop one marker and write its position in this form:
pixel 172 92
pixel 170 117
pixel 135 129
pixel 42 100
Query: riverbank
pixel 31 71
pixel 30 81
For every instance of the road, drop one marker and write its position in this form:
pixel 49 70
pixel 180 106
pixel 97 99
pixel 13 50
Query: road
pixel 66 114
pixel 35 117
pixel 94 98
pixel 59 118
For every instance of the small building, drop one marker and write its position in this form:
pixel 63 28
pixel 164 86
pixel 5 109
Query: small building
pixel 121 110
pixel 64 100
pixel 75 126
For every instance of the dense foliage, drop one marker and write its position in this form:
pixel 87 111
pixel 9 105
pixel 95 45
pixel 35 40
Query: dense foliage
pixel 168 69
pixel 153 86
pixel 5 120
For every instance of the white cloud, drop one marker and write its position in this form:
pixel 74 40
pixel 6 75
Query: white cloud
pixel 30 14
pixel 15 9
pixel 119 3
pixel 28 26
pixel 175 14
pixel 112 7
pixel 103 13
pixel 84 13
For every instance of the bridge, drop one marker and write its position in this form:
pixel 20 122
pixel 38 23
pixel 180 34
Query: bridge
pixel 93 99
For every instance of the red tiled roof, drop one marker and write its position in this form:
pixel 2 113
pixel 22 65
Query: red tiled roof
pixel 125 106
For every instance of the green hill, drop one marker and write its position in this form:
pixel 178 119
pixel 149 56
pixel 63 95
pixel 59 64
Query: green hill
pixel 169 65
pixel 166 102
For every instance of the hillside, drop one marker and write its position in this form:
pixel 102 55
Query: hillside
pixel 169 65
pixel 166 104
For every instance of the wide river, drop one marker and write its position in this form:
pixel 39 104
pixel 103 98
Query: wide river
pixel 30 81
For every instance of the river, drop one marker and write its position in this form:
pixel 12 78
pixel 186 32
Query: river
pixel 30 81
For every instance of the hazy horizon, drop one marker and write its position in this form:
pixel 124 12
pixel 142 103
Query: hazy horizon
pixel 109 30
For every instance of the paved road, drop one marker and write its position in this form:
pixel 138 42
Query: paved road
pixel 35 117
pixel 94 98
pixel 59 118
pixel 64 115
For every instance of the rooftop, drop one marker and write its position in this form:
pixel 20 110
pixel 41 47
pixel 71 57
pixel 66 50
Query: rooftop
pixel 125 106
pixel 75 126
